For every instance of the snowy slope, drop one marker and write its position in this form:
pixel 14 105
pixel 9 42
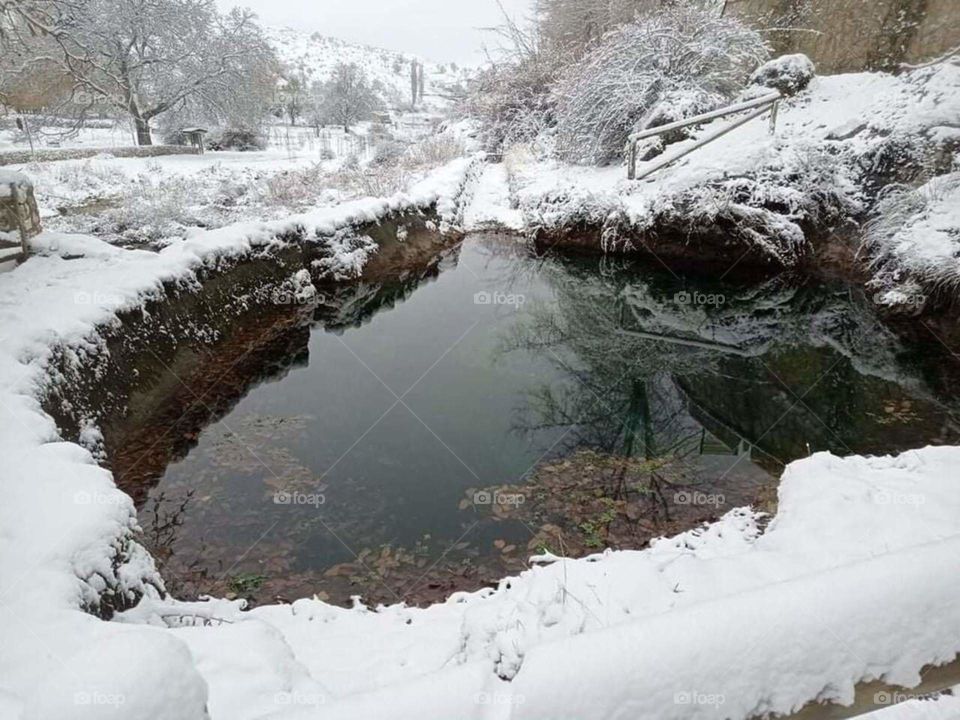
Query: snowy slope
pixel 316 56
pixel 831 142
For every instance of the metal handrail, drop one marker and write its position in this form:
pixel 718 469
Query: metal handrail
pixel 704 117
pixel 767 103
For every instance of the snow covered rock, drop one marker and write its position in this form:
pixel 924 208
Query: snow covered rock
pixel 788 73
pixel 136 674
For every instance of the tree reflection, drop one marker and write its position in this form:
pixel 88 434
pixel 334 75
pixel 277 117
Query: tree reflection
pixel 660 375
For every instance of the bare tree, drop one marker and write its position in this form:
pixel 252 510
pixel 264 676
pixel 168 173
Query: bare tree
pixel 143 57
pixel 293 96
pixel 347 97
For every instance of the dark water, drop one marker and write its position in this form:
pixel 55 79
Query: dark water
pixel 417 415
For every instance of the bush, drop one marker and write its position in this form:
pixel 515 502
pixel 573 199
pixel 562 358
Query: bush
pixel 435 150
pixel 235 139
pixel 511 101
pixel 294 189
pixel 387 152
pixel 913 238
pixel 679 51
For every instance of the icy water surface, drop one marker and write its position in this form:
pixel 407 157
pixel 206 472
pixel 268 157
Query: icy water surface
pixel 432 436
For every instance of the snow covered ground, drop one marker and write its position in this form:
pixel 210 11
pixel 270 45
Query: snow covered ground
pixel 803 610
pixel 491 203
pixel 157 200
pixel 833 142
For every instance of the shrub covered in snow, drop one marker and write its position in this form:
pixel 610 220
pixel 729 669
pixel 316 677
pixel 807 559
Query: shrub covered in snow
pixel 512 101
pixel 387 151
pixel 243 139
pixel 677 51
pixel 390 172
pixel 675 105
pixel 913 241
pixel 788 73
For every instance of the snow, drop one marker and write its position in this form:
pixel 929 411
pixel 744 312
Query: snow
pixel 770 185
pixel 805 608
pixel 317 55
pixel 65 529
pixel 490 206
pixel 139 201
pixel 99 682
pixel 12 177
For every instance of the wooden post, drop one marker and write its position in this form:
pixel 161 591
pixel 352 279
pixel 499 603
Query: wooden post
pixel 18 211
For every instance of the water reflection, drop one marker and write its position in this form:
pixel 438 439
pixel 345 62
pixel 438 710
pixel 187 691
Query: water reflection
pixel 612 402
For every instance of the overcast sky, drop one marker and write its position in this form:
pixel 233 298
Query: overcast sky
pixel 440 30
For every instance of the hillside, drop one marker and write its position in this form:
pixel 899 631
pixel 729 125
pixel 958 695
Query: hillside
pixel 315 55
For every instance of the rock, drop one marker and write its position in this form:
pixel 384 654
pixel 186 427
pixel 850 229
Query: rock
pixel 788 73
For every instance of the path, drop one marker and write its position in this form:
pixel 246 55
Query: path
pixel 491 205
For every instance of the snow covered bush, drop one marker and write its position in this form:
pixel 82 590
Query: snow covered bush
pixel 387 151
pixel 387 175
pixel 788 73
pixel 680 49
pixel 295 189
pixel 242 139
pixel 435 150
pixel 913 241
pixel 153 208
pixel 512 101
pixel 511 97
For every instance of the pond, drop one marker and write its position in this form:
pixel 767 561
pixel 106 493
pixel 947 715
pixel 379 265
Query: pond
pixel 430 434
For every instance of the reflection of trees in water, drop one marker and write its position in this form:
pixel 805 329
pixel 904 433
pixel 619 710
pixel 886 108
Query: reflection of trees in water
pixel 620 398
pixel 633 351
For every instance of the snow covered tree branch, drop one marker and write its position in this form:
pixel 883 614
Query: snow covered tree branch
pixel 688 54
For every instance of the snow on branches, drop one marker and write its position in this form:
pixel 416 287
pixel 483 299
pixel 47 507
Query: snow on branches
pixel 680 50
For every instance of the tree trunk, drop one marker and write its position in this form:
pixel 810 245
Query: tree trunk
pixel 143 131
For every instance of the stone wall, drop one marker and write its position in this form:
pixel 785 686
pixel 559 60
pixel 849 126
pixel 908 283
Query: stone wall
pixel 19 157
pixel 853 35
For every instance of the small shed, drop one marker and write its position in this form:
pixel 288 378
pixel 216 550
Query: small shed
pixel 194 136
pixel 19 218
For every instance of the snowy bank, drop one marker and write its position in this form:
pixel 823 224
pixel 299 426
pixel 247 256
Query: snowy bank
pixel 67 539
pixel 773 196
pixel 913 242
pixel 805 609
